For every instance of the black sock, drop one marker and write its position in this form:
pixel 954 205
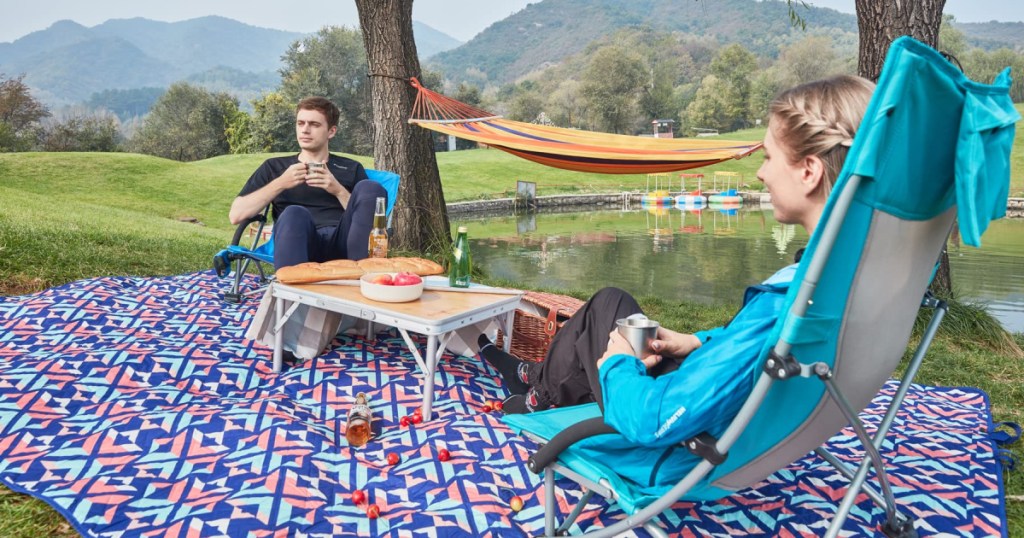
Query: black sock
pixel 506 365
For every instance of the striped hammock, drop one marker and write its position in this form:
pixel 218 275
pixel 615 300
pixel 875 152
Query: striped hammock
pixel 570 149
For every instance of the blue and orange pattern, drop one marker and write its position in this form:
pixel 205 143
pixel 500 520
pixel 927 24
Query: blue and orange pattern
pixel 135 407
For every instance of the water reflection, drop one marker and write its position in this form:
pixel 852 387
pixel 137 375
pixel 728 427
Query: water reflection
pixel 707 256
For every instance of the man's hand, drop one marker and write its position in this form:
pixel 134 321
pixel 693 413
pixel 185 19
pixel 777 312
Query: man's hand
pixel 293 176
pixel 617 345
pixel 322 178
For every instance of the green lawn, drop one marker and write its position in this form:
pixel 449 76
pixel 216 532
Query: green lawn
pixel 68 216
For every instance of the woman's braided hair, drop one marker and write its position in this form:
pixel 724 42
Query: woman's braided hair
pixel 820 118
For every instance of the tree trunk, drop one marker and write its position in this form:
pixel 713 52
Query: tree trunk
pixel 420 219
pixel 880 22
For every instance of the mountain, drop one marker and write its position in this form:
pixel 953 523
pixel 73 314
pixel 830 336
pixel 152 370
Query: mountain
pixel 994 35
pixel 546 32
pixel 430 41
pixel 67 62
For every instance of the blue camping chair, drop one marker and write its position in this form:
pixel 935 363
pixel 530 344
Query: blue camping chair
pixel 261 253
pixel 933 148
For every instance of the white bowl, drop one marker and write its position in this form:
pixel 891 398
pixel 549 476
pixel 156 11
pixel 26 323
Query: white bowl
pixel 388 294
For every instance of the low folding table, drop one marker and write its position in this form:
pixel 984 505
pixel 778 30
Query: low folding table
pixel 436 314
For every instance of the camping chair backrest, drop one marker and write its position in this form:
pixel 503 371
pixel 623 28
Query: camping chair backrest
pixel 388 180
pixel 919 157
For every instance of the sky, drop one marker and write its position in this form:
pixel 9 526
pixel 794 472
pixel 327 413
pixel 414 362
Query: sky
pixel 461 19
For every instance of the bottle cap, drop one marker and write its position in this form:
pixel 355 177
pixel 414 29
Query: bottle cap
pixel 463 229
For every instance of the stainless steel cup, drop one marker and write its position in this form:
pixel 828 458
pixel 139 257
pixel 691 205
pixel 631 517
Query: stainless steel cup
pixel 314 166
pixel 638 331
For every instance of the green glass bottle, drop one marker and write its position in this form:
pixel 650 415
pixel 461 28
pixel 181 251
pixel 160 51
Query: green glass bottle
pixel 461 265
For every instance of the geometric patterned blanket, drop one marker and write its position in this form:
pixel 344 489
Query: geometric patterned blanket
pixel 135 407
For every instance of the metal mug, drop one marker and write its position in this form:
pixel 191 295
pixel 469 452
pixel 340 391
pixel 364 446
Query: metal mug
pixel 639 332
pixel 315 166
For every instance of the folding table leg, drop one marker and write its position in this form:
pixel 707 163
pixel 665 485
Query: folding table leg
pixel 430 361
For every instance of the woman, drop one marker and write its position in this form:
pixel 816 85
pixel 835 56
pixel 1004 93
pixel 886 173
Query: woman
pixel 691 381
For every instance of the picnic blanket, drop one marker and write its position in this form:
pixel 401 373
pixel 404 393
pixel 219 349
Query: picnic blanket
pixel 135 407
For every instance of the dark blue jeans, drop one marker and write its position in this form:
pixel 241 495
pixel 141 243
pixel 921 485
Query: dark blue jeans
pixel 298 240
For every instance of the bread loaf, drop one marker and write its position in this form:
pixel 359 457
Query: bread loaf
pixel 307 273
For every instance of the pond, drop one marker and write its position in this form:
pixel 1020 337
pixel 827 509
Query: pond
pixel 707 256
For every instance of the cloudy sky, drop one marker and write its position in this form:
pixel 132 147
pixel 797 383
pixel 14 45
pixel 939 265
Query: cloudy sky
pixel 461 19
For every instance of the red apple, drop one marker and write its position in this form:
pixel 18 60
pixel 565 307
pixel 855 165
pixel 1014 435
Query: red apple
pixel 358 497
pixel 407 279
pixel 383 279
pixel 515 503
pixel 373 511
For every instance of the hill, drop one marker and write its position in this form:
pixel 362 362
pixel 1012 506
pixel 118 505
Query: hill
pixel 67 62
pixel 430 41
pixel 546 32
pixel 994 35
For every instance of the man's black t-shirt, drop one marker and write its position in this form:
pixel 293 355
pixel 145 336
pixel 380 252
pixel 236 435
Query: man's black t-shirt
pixel 326 209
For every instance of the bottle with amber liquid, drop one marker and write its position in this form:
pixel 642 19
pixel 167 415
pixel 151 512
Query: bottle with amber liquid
pixel 360 418
pixel 379 234
pixel 460 266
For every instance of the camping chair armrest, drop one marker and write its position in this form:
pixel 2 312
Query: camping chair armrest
pixel 566 438
pixel 259 217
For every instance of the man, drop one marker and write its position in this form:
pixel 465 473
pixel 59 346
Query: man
pixel 322 204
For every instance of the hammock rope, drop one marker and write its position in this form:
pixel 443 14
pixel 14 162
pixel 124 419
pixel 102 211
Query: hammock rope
pixel 570 149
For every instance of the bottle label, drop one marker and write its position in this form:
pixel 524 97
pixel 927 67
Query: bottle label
pixel 361 411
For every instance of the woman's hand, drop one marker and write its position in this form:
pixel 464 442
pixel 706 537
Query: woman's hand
pixel 617 345
pixel 672 344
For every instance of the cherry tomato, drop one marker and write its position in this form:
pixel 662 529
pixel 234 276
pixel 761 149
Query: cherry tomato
pixel 487 408
pixel 497 405
pixel 404 422
pixel 393 458
pixel 444 455
pixel 416 419
pixel 373 511
pixel 358 497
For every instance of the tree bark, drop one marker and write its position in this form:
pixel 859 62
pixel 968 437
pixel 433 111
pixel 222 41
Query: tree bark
pixel 420 219
pixel 880 22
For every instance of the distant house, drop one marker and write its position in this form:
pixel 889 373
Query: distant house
pixel 663 128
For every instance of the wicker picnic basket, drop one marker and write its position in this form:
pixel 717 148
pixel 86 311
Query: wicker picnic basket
pixel 537 320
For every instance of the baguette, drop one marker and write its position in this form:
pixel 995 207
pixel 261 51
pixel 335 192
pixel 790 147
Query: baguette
pixel 307 273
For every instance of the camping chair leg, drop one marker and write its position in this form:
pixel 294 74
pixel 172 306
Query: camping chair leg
pixel 549 501
pixel 897 524
pixel 571 518
pixel 234 295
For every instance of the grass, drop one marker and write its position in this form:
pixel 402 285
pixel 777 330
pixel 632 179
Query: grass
pixel 69 216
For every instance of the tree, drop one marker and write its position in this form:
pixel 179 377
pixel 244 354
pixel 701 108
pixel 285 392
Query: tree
pixel 734 67
pixel 187 123
pixel 716 105
pixel 332 64
pixel 420 218
pixel 19 112
pixel 611 85
pixel 879 22
pixel 270 128
pixel 79 129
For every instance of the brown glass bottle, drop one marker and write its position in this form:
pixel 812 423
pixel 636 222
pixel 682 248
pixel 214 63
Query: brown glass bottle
pixel 360 418
pixel 378 247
